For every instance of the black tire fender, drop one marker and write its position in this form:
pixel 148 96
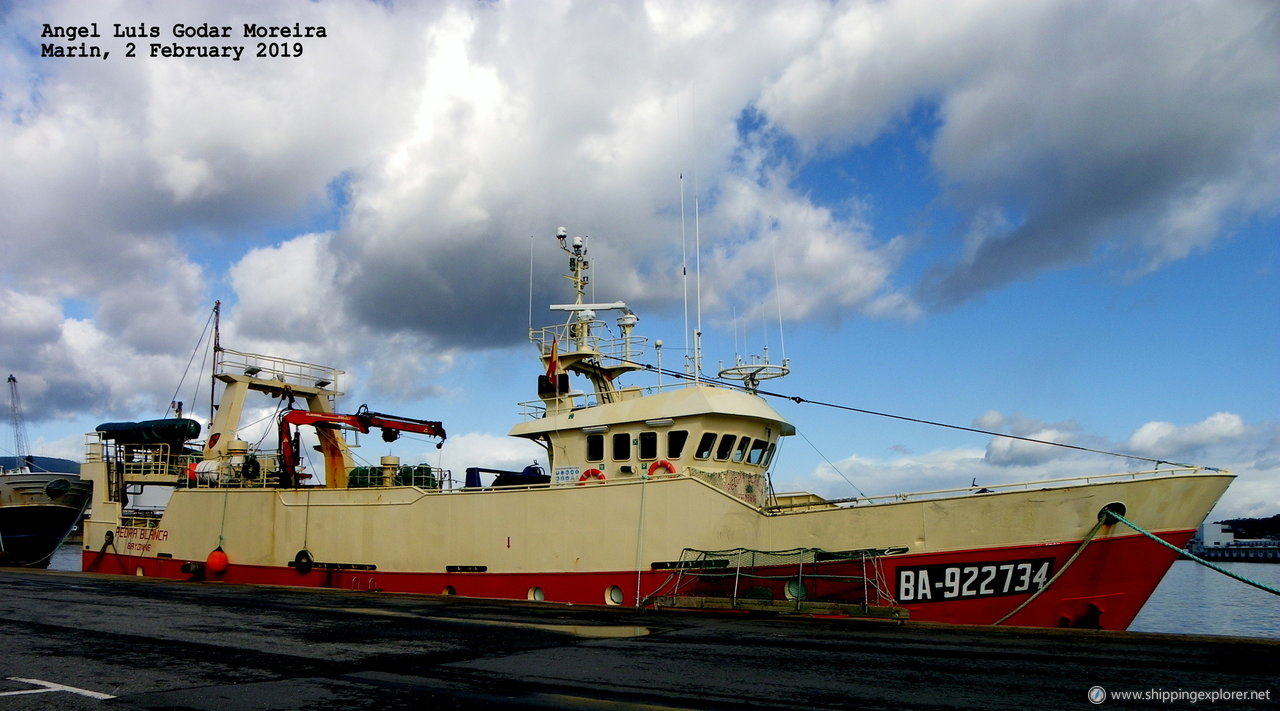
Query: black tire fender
pixel 303 561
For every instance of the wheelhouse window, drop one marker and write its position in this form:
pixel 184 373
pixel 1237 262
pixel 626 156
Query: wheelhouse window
pixel 741 451
pixel 648 445
pixel 622 446
pixel 675 443
pixel 758 449
pixel 705 445
pixel 595 448
pixel 726 446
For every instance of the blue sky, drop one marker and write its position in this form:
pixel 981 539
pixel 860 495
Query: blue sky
pixel 1055 219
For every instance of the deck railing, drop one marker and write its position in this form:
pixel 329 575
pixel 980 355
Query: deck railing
pixel 621 350
pixel 999 488
pixel 293 372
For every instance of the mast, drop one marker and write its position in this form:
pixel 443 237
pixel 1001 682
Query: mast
pixel 217 350
pixel 19 426
pixel 574 347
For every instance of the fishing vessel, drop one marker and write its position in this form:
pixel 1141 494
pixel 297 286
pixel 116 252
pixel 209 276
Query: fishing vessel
pixel 41 498
pixel 653 496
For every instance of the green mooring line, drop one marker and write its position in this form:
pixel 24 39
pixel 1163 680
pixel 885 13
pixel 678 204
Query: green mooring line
pixel 1187 554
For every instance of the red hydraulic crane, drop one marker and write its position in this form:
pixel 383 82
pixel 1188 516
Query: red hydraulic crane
pixel 362 421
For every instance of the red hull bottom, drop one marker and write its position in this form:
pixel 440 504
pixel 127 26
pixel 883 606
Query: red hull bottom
pixel 1103 588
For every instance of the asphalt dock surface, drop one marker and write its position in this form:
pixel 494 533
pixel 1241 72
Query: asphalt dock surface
pixel 88 641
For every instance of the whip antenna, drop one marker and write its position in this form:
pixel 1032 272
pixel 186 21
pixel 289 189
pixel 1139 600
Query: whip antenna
pixel 684 273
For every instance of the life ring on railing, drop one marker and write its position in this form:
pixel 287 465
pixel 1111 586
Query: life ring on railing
pixel 590 474
pixel 662 464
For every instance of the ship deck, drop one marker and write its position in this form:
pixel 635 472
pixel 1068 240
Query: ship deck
pixel 155 644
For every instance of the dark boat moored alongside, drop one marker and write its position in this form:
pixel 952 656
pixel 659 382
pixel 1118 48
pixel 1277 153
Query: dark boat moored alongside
pixel 41 498
pixel 38 510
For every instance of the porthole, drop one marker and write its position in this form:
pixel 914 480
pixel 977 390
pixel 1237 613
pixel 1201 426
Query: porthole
pixel 613 595
pixel 535 594
pixel 448 590
pixel 795 590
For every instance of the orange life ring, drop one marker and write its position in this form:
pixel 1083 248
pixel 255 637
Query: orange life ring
pixel 590 474
pixel 662 464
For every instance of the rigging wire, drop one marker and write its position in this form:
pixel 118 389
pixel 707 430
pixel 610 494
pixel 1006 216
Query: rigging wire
pixel 990 433
pixel 203 334
pixel 831 464
pixel 195 384
pixel 974 430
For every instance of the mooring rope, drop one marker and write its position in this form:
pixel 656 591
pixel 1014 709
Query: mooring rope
pixel 1187 554
pixel 1083 544
pixel 108 540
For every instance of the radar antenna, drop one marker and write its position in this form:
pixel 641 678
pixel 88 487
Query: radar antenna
pixel 757 369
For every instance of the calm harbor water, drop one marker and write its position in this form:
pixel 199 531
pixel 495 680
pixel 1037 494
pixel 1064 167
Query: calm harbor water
pixel 1190 600
pixel 1193 599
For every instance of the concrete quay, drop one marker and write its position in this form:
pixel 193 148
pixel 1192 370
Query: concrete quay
pixel 89 641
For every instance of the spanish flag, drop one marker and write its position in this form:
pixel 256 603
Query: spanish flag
pixel 553 363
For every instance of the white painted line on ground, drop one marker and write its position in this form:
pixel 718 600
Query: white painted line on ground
pixel 50 686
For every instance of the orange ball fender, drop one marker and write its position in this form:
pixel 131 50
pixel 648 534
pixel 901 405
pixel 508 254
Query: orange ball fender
pixel 590 474
pixel 217 561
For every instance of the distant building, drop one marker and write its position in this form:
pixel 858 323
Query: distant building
pixel 1216 535
pixel 1215 541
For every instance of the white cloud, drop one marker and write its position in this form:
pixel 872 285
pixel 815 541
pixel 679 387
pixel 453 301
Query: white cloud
pixel 871 63
pixel 26 319
pixel 786 250
pixel 1167 440
pixel 1007 451
pixel 73 367
pixel 285 293
pixel 474 449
